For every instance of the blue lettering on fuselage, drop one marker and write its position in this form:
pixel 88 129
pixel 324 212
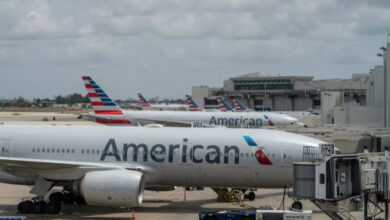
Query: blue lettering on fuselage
pixel 241 121
pixel 159 153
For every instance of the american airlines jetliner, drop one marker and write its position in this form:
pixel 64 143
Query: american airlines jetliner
pixel 108 112
pixel 145 104
pixel 111 166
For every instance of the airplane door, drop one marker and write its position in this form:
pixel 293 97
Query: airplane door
pixel 180 172
pixel 5 148
pixel 287 157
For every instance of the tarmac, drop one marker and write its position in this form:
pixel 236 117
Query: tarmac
pixel 156 205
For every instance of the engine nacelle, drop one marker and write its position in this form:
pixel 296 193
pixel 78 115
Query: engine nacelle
pixel 114 188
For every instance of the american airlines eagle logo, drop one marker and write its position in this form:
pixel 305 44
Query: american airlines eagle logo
pixel 270 123
pixel 259 154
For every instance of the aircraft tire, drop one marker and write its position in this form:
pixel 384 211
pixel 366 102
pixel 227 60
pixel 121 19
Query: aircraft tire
pixel 251 196
pixel 38 207
pixel 79 200
pixel 53 208
pixel 56 197
pixel 68 198
pixel 25 207
pixel 297 205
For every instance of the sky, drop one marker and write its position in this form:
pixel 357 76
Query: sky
pixel 163 48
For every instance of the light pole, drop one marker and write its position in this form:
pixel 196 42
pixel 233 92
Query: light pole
pixel 384 55
pixel 265 94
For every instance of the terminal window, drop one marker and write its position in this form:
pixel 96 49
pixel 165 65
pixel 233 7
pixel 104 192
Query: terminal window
pixel 317 102
pixel 258 102
pixel 211 102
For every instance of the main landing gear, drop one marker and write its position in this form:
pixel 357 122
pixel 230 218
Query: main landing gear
pixel 38 205
pixel 234 195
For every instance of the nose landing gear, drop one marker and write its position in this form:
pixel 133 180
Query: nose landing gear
pixel 297 205
pixel 234 195
pixel 250 196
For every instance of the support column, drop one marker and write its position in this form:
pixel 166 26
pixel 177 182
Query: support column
pixel 386 88
pixel 365 206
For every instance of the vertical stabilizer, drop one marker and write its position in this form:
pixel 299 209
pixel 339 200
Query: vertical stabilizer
pixel 192 105
pixel 144 102
pixel 238 106
pixel 101 103
pixel 223 105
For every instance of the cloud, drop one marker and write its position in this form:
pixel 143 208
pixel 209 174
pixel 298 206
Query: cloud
pixel 193 39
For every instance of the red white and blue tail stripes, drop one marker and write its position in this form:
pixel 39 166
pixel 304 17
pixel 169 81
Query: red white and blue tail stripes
pixel 223 105
pixel 102 104
pixel 238 106
pixel 144 102
pixel 192 105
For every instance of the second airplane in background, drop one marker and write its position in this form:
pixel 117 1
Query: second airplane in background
pixel 163 106
pixel 108 112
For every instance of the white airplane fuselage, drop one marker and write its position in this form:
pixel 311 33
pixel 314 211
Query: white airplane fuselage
pixel 166 106
pixel 228 119
pixel 216 157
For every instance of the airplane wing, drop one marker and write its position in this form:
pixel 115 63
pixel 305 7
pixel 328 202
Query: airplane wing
pixel 166 122
pixel 93 117
pixel 172 123
pixel 57 169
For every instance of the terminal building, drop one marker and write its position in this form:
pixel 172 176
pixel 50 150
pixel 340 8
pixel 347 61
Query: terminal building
pixel 282 93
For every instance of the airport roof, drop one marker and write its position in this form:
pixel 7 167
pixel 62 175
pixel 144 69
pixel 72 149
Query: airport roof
pixel 258 75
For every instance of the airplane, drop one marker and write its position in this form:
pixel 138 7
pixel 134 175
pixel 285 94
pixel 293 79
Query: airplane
pixel 192 105
pixel 111 166
pixel 145 104
pixel 224 107
pixel 108 112
pixel 238 106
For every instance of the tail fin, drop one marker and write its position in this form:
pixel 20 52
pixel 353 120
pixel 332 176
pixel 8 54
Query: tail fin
pixel 223 105
pixel 193 106
pixel 144 102
pixel 237 105
pixel 101 103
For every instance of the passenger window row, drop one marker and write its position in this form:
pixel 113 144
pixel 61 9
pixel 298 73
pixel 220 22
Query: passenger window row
pixel 53 150
pixel 93 151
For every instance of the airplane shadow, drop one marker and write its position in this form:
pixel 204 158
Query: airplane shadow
pixel 94 212
pixel 150 206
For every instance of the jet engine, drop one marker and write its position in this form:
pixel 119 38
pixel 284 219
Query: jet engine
pixel 114 188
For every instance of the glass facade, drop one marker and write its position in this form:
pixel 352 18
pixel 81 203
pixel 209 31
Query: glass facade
pixel 263 84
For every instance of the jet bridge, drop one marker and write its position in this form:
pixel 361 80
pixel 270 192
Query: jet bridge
pixel 340 184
